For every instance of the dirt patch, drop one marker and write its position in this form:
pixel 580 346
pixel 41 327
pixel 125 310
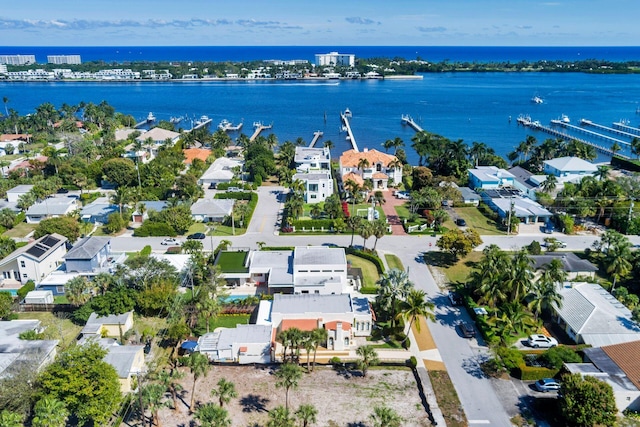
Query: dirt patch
pixel 341 399
pixel 448 400
pixel 424 340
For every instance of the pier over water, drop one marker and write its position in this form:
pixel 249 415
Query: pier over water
pixel 316 136
pixel 350 136
pixel 408 120
pixel 259 128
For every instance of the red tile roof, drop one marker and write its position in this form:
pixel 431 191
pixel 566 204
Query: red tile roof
pixel 15 136
pixel 625 355
pixel 332 326
pixel 380 175
pixel 353 177
pixel 195 153
pixel 351 158
pixel 302 324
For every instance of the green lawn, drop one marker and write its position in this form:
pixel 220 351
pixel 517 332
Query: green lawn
pixel 477 221
pixel 225 230
pixel 20 230
pixel 393 261
pixel 54 326
pixel 402 211
pixel 457 272
pixel 232 261
pixel 196 227
pixel 369 270
pixel 228 321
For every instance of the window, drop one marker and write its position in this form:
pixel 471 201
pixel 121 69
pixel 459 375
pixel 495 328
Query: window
pixel 317 291
pixel 24 275
pixel 313 196
pixel 379 167
pixel 305 292
pixel 346 341
pixel 22 264
pixel 60 289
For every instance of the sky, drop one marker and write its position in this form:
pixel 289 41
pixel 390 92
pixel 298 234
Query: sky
pixel 319 23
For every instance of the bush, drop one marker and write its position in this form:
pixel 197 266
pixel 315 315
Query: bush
pixel 174 250
pixel 534 248
pixel 555 357
pixel 28 287
pixel 154 229
pixel 369 290
pixel 308 224
pixel 530 373
pixel 413 362
pixel 368 256
pixel 277 248
pixel 335 360
pixel 511 358
pixel 115 223
pixel 146 251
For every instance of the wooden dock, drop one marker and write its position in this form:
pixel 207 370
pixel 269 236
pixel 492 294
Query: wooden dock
pixel 316 136
pixel 625 127
pixel 589 132
pixel 201 124
pixel 619 132
pixel 259 127
pixel 408 120
pixel 142 123
pixel 350 136
pixel 535 125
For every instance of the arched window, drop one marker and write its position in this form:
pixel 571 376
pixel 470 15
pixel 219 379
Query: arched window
pixel 346 341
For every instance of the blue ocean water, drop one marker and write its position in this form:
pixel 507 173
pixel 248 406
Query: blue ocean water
pixel 468 106
pixel 250 53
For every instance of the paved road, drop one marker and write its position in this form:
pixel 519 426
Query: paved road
pixel 461 357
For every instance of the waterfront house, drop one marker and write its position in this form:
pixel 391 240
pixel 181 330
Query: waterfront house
pixel 569 167
pixel 313 166
pixel 591 315
pixel 525 181
pixel 211 210
pixel 243 344
pixel 490 177
pixel 159 136
pixel 33 261
pixel 222 170
pixel 381 168
pixel 190 154
pixel 14 194
pixel 51 207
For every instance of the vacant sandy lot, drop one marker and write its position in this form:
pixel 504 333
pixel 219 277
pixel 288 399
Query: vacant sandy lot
pixel 344 400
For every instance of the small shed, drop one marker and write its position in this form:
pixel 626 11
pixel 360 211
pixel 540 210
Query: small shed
pixel 39 297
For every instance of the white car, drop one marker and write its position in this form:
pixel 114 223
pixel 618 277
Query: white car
pixel 170 241
pixel 402 195
pixel 541 341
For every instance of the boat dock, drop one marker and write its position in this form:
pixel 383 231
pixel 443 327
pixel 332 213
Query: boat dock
pixel 590 133
pixel 139 125
pixel 585 122
pixel 200 124
pixel 350 136
pixel 625 127
pixel 316 136
pixel 408 120
pixel 536 125
pixel 259 127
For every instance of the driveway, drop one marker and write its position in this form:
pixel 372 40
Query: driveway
pixel 390 212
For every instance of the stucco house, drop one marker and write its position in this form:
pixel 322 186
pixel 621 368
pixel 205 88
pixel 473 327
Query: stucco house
pixel 52 207
pixel 112 325
pixel 222 170
pixel 34 261
pixel 14 193
pixel 211 210
pixel 159 136
pixel 383 169
pixel 490 177
pixel 89 255
pixel 17 354
pixel 591 315
pixel 503 201
pixel 243 344
pixel 569 166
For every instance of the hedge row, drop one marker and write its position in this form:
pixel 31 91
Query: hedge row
pixel 531 373
pixel 368 256
pixel 251 196
pixel 278 248
pixel 630 165
pixel 157 229
pixel 308 224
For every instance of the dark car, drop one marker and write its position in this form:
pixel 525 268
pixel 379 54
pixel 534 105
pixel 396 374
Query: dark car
pixel 196 236
pixel 455 298
pixel 62 191
pixel 461 222
pixel 212 186
pixel 466 330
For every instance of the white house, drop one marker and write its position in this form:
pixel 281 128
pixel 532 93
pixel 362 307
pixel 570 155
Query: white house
pixel 313 166
pixel 51 208
pixel 17 354
pixel 490 177
pixel 35 260
pixel 222 170
pixel 319 270
pixel 569 166
pixel 591 315
pixel 382 169
pixel 505 201
pixel 14 193
pixel 159 136
pixel 211 210
pixel 243 344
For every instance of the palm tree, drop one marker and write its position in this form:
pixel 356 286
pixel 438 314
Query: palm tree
pixel 319 336
pixel 287 377
pixel 368 358
pixel 549 184
pixel 602 173
pixel 307 414
pixel 198 364
pixel 121 197
pixel 153 398
pixel 77 291
pixel 225 392
pixel 385 417
pixel 353 222
pixel 171 381
pixel 519 277
pixel 212 415
pixel 618 263
pixel 416 306
pixel 545 293
pixel 379 229
pixel 328 144
pixel 615 148
pixel 280 417
pixel 366 231
pixel 393 286
pixel 363 164
pixel 5 101
pixel 308 344
pixel 50 412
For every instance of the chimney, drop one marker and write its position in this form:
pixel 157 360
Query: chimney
pixel 365 150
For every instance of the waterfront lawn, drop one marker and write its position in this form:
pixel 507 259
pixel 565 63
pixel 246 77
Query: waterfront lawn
pixel 20 230
pixel 369 270
pixel 56 328
pixel 476 220
pixel 393 261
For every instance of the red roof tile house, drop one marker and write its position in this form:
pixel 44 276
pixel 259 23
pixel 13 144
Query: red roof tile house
pixel 382 169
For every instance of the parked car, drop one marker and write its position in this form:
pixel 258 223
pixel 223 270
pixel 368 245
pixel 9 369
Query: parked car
pixel 541 341
pixel 455 298
pixel 233 190
pixel 461 222
pixel 196 236
pixel 550 241
pixel 402 195
pixel 547 384
pixel 170 241
pixel 62 191
pixel 466 329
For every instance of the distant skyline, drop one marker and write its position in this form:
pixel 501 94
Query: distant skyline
pixel 320 23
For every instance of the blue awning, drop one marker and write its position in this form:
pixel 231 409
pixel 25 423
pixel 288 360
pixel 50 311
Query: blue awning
pixel 189 345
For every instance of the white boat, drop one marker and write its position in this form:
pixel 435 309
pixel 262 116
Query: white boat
pixel 224 124
pixel 347 113
pixel 537 100
pixel 257 124
pixel 175 120
pixel 202 120
pixel 151 117
pixel 565 119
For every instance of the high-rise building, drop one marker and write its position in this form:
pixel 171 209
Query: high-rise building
pixel 17 59
pixel 63 59
pixel 335 58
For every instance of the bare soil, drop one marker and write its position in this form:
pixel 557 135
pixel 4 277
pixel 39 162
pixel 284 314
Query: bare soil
pixel 344 399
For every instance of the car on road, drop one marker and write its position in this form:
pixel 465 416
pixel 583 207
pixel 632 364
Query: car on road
pixel 541 341
pixel 170 241
pixel 552 241
pixel 62 191
pixel 455 298
pixel 196 236
pixel 461 222
pixel 546 384
pixel 466 329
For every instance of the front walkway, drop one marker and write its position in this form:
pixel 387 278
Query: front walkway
pixel 390 212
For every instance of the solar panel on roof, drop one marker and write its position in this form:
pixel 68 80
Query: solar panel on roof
pixel 36 251
pixel 50 241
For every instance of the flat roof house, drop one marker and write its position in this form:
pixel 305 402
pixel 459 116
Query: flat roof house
pixel 591 315
pixel 490 177
pixel 243 344
pixel 34 261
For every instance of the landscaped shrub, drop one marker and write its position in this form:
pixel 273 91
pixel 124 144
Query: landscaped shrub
pixel 486 211
pixel 531 373
pixel 174 250
pixel 511 358
pixel 277 248
pixel 252 198
pixel 369 290
pixel 146 251
pixel 534 248
pixel 368 256
pixel 28 287
pixel 556 356
pixel 413 362
pixel 309 224
pixel 154 229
